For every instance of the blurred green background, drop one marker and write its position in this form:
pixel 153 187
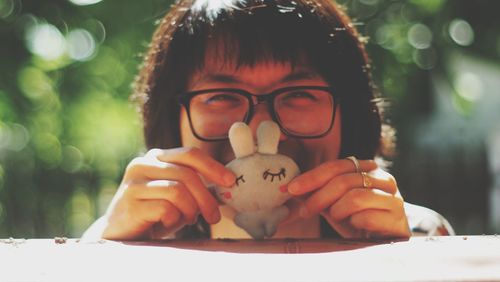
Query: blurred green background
pixel 68 129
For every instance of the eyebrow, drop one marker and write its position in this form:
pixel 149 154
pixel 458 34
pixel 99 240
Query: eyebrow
pixel 233 79
pixel 300 75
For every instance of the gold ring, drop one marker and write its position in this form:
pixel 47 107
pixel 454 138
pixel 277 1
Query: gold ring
pixel 354 161
pixel 366 180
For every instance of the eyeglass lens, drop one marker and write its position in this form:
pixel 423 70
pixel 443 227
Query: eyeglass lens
pixel 304 112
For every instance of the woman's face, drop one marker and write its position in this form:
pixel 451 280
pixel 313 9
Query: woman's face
pixel 263 77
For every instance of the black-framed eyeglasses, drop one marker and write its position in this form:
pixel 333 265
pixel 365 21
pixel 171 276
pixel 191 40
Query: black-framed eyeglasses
pixel 300 111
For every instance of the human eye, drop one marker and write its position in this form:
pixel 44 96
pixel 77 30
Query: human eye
pixel 268 175
pixel 299 97
pixel 221 99
pixel 303 94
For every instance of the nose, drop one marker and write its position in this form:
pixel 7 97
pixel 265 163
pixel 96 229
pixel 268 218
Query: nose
pixel 261 113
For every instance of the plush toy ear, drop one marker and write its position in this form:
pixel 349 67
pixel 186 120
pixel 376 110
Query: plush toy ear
pixel 240 137
pixel 268 137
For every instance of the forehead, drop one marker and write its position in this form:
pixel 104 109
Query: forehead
pixel 231 66
pixel 225 60
pixel 226 52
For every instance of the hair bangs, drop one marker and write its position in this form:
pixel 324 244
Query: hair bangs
pixel 283 33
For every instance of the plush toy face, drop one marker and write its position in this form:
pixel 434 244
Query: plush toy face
pixel 261 182
pixel 262 175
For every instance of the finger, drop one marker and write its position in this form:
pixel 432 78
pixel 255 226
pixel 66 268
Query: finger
pixel 381 180
pixel 174 192
pixel 360 199
pixel 337 187
pixel 202 196
pixel 329 194
pixel 200 162
pixel 172 217
pixel 191 180
pixel 381 223
pixel 143 170
pixel 152 211
pixel 319 176
pixel 170 222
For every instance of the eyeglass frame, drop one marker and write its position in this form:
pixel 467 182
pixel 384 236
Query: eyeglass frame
pixel 184 100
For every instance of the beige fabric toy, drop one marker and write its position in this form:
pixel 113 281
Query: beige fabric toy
pixel 262 174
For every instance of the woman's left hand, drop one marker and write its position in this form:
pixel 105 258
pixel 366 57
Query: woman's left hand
pixel 358 203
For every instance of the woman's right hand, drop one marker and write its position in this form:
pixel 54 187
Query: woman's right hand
pixel 164 187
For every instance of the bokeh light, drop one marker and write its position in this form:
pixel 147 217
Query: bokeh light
pixel 48 148
pixel 84 2
pixel 13 137
pixel 101 143
pixel 420 36
pixel 6 8
pixel 72 159
pixel 46 41
pixel 35 83
pixel 469 86
pixel 81 45
pixel 4 136
pixel 96 28
pixel 425 58
pixel 80 210
pixel 431 6
pixel 461 32
pixel 109 67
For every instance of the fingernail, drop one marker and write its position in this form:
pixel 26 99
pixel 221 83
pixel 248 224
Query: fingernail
pixel 293 187
pixel 229 179
pixel 304 212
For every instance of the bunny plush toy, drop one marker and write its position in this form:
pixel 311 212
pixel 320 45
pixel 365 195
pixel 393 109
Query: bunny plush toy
pixel 259 192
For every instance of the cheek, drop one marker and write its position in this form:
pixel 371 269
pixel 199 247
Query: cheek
pixel 310 153
pixel 187 137
pixel 328 146
pixel 332 141
pixel 221 151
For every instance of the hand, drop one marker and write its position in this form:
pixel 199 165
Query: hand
pixel 164 188
pixel 336 191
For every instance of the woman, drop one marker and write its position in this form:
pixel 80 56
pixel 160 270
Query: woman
pixel 245 57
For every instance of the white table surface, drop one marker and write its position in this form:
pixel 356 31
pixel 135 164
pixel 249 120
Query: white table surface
pixel 457 258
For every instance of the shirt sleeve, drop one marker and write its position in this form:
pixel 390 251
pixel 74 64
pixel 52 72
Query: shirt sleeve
pixel 426 222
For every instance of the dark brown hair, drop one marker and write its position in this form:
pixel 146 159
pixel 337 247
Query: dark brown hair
pixel 257 30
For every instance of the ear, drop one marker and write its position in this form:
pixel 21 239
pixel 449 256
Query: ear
pixel 240 137
pixel 268 137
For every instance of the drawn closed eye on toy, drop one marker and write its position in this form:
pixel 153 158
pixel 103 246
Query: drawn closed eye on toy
pixel 281 174
pixel 240 179
pixel 260 192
